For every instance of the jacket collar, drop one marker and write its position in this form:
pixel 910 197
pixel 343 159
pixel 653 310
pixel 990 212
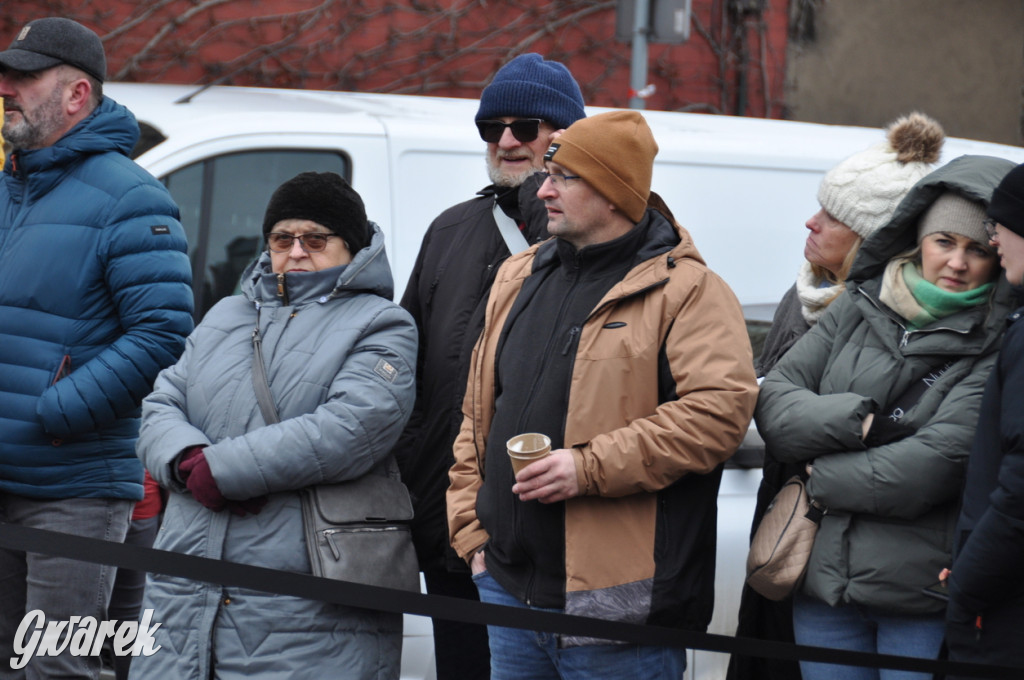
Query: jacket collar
pixel 522 205
pixel 971 331
pixel 368 272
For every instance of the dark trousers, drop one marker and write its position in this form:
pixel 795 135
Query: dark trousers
pixel 763 619
pixel 460 649
pixel 760 617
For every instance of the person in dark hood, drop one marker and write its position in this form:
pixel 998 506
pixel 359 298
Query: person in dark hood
pixel 985 618
pixel 879 400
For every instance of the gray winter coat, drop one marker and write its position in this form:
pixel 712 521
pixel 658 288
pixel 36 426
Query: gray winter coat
pixel 340 359
pixel 892 506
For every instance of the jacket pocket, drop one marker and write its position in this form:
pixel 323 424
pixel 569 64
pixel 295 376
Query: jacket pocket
pixel 64 370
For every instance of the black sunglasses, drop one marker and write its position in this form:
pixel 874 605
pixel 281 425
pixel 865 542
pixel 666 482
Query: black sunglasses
pixel 525 129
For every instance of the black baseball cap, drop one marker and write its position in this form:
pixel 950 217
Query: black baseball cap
pixel 45 43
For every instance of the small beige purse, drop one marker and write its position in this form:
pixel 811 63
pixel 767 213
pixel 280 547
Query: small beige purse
pixel 782 544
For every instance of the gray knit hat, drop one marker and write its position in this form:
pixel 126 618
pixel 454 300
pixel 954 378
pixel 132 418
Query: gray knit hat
pixel 863 191
pixel 952 213
pixel 530 87
pixel 45 43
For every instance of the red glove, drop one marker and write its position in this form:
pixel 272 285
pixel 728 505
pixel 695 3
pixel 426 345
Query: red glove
pixel 196 472
pixel 190 461
pixel 184 467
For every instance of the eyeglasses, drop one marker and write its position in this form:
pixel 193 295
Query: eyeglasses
pixel 525 129
pixel 561 181
pixel 990 228
pixel 314 242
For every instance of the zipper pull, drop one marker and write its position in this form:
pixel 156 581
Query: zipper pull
pixel 573 333
pixel 282 290
pixel 906 338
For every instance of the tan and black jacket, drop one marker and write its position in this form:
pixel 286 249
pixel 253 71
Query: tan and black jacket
pixel 641 534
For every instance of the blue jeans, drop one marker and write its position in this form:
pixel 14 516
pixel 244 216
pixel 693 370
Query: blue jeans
pixel 862 629
pixel 60 587
pixel 518 654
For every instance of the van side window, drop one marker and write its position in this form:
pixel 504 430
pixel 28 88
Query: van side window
pixel 222 200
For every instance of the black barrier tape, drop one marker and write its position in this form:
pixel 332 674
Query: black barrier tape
pixel 221 572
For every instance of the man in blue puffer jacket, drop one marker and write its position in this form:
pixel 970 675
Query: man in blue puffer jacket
pixel 95 299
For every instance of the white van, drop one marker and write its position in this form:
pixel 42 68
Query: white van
pixel 743 187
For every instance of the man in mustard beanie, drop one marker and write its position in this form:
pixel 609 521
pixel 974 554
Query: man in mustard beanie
pixel 618 343
pixel 528 99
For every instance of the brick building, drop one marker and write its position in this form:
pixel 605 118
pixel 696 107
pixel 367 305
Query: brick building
pixel 734 61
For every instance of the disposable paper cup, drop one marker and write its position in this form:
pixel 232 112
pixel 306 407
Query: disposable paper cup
pixel 524 449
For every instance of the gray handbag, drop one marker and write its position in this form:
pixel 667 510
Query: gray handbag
pixel 357 530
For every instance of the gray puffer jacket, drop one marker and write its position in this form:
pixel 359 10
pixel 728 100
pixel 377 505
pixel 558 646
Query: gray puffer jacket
pixel 892 506
pixel 340 360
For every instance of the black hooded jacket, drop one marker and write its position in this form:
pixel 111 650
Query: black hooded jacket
pixel 986 587
pixel 447 291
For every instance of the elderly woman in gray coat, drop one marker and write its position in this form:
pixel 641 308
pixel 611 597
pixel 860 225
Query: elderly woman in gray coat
pixel 880 400
pixel 340 361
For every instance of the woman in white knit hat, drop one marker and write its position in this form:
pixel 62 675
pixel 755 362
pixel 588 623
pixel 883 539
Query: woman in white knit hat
pixel 857 197
pixel 879 403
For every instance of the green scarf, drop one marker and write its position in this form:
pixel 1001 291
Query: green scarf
pixel 921 302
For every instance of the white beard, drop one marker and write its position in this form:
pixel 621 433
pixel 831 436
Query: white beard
pixel 506 179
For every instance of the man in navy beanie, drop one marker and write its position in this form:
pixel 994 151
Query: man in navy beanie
pixel 528 99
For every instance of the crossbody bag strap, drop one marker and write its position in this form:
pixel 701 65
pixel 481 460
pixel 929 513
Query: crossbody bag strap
pixel 259 381
pixel 509 230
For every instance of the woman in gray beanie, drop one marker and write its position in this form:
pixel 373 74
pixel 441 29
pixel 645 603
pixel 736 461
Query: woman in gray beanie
pixel 339 358
pixel 879 402
pixel 857 197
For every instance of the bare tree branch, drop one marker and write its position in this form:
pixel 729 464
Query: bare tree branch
pixel 447 47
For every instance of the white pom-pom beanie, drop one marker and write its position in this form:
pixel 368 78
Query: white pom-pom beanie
pixel 863 191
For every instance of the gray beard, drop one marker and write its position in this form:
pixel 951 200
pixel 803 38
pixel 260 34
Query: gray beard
pixel 505 179
pixel 32 134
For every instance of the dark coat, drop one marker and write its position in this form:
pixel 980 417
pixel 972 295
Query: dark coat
pixel 760 617
pixel 461 252
pixel 989 556
pixel 788 326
